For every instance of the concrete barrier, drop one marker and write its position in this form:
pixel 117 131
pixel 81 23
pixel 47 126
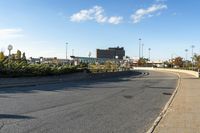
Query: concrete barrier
pixel 32 81
pixel 199 72
pixel 143 68
pixel 194 73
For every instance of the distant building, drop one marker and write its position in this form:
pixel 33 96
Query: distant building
pixel 49 60
pixel 78 60
pixel 34 60
pixel 159 63
pixel 111 53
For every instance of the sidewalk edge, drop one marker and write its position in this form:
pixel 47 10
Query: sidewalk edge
pixel 164 111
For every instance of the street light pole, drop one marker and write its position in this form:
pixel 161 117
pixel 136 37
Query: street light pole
pixel 66 49
pixel 186 50
pixel 171 60
pixel 149 54
pixel 192 56
pixel 89 55
pixel 142 50
pixel 72 52
pixel 10 47
pixel 140 47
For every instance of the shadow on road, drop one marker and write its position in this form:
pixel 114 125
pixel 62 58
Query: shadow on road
pixel 9 116
pixel 72 85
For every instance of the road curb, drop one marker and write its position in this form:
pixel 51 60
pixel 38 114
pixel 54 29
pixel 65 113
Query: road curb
pixel 164 111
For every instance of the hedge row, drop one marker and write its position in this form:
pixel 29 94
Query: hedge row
pixel 21 70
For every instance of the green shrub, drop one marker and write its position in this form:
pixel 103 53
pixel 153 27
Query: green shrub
pixel 18 69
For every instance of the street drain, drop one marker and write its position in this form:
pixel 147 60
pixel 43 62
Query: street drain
pixel 128 96
pixel 165 93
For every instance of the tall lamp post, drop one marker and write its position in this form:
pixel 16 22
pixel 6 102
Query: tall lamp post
pixel 72 52
pixel 149 54
pixel 192 56
pixel 66 49
pixel 10 47
pixel 142 50
pixel 140 47
pixel 89 55
pixel 186 54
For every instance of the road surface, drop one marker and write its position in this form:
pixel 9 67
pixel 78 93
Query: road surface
pixel 113 105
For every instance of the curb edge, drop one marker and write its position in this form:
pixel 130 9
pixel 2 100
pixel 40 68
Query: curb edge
pixel 166 107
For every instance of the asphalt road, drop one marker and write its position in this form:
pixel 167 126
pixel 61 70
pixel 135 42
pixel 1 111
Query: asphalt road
pixel 114 105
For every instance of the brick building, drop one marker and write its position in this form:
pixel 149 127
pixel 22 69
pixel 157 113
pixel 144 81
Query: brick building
pixel 111 53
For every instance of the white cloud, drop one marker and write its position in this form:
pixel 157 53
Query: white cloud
pixel 83 15
pixel 10 33
pixel 115 20
pixel 97 14
pixel 143 13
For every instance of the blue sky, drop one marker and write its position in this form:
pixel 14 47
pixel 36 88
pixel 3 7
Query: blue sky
pixel 42 27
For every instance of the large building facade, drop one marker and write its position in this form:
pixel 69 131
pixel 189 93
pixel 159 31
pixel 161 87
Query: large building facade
pixel 111 53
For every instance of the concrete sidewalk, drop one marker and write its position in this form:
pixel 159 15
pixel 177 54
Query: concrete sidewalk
pixel 183 115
